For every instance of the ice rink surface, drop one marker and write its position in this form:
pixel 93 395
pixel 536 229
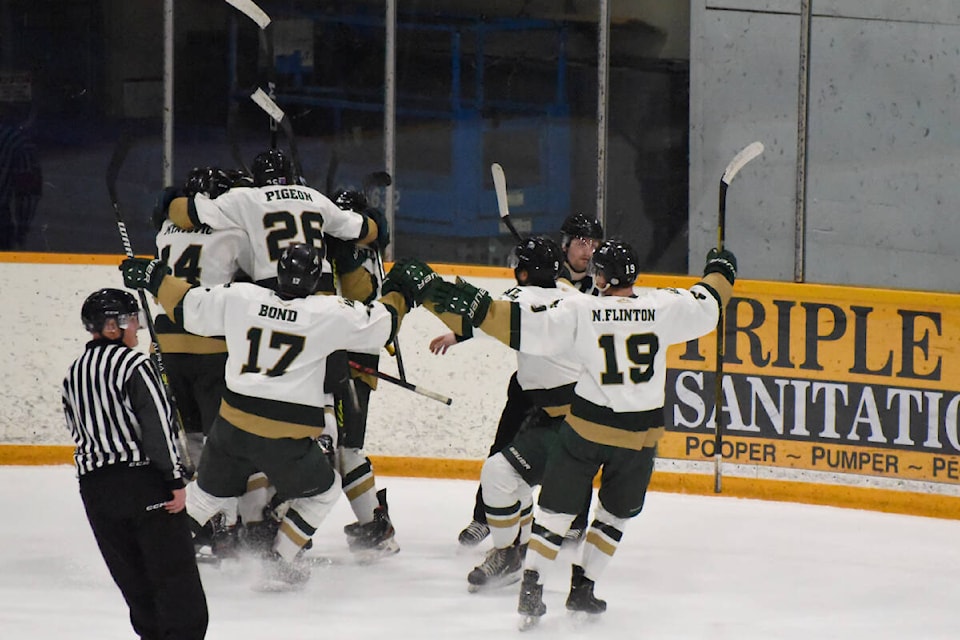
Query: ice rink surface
pixel 689 567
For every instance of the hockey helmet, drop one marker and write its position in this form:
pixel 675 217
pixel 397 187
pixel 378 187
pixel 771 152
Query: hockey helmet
pixel 579 225
pixel 299 270
pixel 106 304
pixel 540 257
pixel 272 167
pixel 618 263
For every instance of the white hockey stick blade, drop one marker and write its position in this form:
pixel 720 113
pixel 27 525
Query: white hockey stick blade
pixel 252 11
pixel 746 154
pixel 267 104
pixel 500 184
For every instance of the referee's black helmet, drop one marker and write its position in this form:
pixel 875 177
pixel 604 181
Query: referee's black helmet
pixel 106 304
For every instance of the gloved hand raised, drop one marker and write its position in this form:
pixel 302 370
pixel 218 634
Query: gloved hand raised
pixel 722 262
pixel 462 299
pixel 143 273
pixel 411 278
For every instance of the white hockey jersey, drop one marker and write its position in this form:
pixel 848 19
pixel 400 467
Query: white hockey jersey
pixel 278 349
pixel 536 372
pixel 621 345
pixel 274 217
pixel 203 255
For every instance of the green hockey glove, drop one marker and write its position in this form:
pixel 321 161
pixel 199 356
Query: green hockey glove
pixel 143 273
pixel 722 262
pixel 462 299
pixel 411 278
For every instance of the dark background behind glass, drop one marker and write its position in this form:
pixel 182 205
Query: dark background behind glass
pixel 513 82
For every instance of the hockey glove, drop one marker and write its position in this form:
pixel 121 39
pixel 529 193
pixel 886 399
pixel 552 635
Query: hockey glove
pixel 462 299
pixel 412 279
pixel 383 227
pixel 161 205
pixel 722 262
pixel 143 273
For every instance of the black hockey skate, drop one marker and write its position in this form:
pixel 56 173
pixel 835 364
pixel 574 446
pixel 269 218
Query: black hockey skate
pixel 283 575
pixel 581 596
pixel 530 607
pixel 474 533
pixel 374 539
pixel 500 567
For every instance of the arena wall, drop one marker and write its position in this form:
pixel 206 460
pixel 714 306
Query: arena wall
pixel 833 395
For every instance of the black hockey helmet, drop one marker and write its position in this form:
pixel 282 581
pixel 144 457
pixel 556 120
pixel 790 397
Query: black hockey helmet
pixel 618 263
pixel 578 225
pixel 540 257
pixel 106 304
pixel 299 270
pixel 351 201
pixel 272 167
pixel 211 181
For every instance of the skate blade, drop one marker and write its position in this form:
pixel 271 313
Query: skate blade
pixel 382 550
pixel 496 583
pixel 528 622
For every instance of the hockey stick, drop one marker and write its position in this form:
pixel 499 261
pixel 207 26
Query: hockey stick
pixel 260 17
pixel 500 185
pixel 252 11
pixel 370 181
pixel 113 171
pixel 746 154
pixel 266 103
pixel 401 383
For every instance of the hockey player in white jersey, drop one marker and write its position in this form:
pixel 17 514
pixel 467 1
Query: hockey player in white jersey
pixel 508 476
pixel 207 257
pixel 274 212
pixel 272 412
pixel 620 340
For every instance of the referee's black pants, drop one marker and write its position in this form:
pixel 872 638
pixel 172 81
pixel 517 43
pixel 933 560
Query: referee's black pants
pixel 148 551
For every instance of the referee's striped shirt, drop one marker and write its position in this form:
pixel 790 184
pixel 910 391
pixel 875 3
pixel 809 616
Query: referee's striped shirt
pixel 118 413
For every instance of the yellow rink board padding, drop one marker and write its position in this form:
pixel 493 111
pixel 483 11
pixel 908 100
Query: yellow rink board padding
pixel 902 502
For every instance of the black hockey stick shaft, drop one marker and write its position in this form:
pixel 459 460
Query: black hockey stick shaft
pixel 401 383
pixel 745 155
pixel 500 186
pixel 380 179
pixel 113 171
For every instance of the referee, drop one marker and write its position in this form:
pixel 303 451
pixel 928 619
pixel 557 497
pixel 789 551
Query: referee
pixel 129 469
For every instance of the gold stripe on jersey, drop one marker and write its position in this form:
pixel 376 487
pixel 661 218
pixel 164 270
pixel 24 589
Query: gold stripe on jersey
pixel 271 418
pixel 628 430
pixel 611 436
pixel 357 285
pixel 456 323
pixel 720 286
pixel 179 213
pixel 557 411
pixel 503 322
pixel 189 343
pixel 171 294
